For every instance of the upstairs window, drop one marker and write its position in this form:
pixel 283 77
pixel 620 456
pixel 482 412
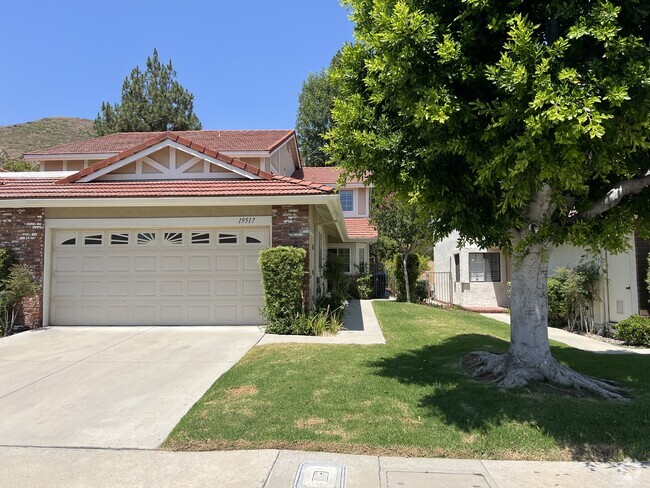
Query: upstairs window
pixel 484 266
pixel 347 200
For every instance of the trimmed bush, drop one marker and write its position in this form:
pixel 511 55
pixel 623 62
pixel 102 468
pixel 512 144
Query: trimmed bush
pixel 413 268
pixel 634 330
pixel 283 272
pixel 421 291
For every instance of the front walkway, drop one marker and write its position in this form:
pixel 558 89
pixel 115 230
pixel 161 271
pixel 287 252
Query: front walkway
pixel 71 468
pixel 361 327
pixel 576 340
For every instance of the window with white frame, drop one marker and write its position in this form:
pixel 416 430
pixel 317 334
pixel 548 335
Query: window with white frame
pixel 347 200
pixel 343 254
pixel 484 266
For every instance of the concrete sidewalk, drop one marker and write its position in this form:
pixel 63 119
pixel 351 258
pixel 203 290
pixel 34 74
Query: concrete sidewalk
pixel 361 327
pixel 576 340
pixel 70 468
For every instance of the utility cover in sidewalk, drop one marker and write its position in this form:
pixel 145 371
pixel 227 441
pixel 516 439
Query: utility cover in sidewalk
pixel 320 475
pixel 405 479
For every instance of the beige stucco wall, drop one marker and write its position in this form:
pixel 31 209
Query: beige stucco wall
pixel 155 212
pixel 466 293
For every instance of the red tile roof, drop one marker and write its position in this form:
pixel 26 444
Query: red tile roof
pixel 216 140
pixel 163 136
pixel 320 174
pixel 360 228
pixel 13 188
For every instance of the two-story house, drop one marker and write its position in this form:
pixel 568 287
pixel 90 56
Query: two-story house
pixel 166 228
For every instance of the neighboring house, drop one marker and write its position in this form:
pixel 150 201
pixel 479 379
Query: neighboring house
pixel 477 279
pixel 166 228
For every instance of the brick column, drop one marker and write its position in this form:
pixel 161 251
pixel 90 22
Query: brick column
pixel 23 231
pixel 290 227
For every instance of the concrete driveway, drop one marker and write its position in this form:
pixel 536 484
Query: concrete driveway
pixel 111 387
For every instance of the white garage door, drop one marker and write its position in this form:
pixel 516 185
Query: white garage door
pixel 157 276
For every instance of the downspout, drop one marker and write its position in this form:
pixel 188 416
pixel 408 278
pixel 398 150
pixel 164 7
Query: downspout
pixel 606 297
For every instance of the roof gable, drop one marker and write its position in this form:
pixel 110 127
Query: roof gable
pixel 146 161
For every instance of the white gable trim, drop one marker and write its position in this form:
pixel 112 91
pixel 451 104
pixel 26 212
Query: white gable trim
pixel 175 171
pixel 68 157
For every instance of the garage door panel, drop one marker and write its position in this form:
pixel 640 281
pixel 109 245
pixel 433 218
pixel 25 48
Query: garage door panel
pixel 144 288
pixel 227 313
pixel 228 262
pixel 251 262
pixel 166 276
pixel 172 288
pixel 173 314
pixel 65 264
pixel 200 314
pixel 144 314
pixel 253 288
pixel 64 288
pixel 91 288
pixel 199 288
pixel 200 263
pixel 118 263
pixel 172 263
pixel 146 263
pixel 227 288
pixel 92 264
pixel 118 288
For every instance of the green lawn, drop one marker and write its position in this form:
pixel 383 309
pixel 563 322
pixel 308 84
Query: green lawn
pixel 411 397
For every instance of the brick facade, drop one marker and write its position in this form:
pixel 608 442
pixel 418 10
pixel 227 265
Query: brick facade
pixel 23 231
pixel 290 227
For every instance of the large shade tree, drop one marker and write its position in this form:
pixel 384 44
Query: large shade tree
pixel 522 124
pixel 152 100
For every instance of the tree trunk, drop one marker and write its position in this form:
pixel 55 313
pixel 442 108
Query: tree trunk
pixel 405 258
pixel 529 357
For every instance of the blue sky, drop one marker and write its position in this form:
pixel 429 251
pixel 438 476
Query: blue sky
pixel 244 61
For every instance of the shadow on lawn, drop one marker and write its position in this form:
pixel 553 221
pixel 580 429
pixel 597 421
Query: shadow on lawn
pixel 588 429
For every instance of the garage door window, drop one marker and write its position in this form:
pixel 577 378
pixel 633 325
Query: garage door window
pixel 146 238
pixel 173 238
pixel 66 239
pixel 119 239
pixel 199 238
pixel 227 238
pixel 93 239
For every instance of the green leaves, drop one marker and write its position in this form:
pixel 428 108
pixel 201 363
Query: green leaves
pixel 475 106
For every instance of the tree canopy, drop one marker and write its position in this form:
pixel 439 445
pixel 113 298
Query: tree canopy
pixel 520 124
pixel 402 225
pixel 314 117
pixel 476 106
pixel 152 101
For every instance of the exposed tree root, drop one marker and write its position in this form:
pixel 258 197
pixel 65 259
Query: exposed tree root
pixel 507 373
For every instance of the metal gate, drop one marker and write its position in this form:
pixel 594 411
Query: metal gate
pixel 443 288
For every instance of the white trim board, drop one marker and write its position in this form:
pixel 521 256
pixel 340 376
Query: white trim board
pixel 151 223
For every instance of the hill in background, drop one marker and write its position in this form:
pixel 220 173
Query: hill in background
pixel 18 139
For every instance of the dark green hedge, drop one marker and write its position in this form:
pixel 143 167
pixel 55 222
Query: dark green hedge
pixel 283 272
